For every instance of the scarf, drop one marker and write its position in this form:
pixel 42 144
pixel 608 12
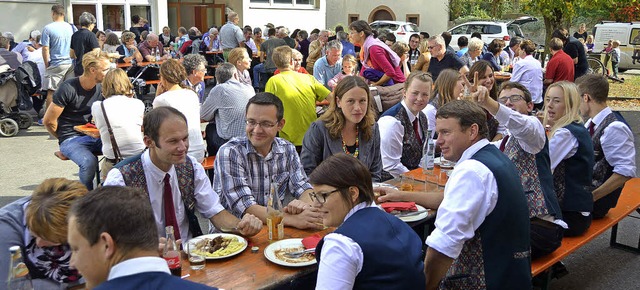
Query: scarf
pixel 51 262
pixel 371 41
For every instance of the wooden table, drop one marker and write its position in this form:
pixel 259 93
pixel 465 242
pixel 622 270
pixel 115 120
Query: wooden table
pixel 89 131
pixel 252 270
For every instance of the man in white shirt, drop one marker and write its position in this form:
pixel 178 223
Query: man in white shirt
pixel 115 244
pixel 482 225
pixel 528 72
pixel 176 188
pixel 612 143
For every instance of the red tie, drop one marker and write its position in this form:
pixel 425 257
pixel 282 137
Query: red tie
pixel 504 143
pixel 416 130
pixel 169 210
pixel 592 127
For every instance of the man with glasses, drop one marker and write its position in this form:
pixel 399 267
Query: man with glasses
pixel 246 166
pixel 146 48
pixel 525 143
pixel 442 59
pixel 71 106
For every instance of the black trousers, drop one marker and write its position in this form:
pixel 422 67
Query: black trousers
pixel 546 237
pixel 578 224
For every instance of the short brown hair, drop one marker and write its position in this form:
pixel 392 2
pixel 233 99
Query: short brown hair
pixel 58 9
pixel 124 213
pixel 173 72
pixel 4 42
pixel 596 85
pixel 343 171
pixel 116 82
pixel 400 48
pixel 49 206
pixel 282 57
pixel 515 85
pixel 556 44
pixel 467 113
pixel 528 47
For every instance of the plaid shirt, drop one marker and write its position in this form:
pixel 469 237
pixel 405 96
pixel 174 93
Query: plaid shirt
pixel 242 175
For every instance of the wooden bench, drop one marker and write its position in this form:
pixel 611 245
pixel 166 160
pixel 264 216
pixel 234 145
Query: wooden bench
pixel 629 202
pixel 65 158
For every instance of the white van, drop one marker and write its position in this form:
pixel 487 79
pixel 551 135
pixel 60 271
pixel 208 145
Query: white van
pixel 629 36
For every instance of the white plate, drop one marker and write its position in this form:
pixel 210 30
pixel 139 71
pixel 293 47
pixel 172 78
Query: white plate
pixel 414 218
pixel 211 236
pixel 436 160
pixel 382 184
pixel 269 252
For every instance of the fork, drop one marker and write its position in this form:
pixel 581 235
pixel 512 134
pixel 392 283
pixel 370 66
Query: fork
pixel 299 254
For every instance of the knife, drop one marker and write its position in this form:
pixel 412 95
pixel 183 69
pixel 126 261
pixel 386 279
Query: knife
pixel 412 213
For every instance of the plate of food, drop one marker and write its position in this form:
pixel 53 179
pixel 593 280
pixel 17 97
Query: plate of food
pixel 218 246
pixel 412 215
pixel 277 250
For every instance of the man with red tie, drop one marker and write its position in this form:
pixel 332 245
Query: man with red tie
pixel 526 145
pixel 176 183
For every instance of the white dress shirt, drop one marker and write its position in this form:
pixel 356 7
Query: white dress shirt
pixel 526 129
pixel 187 102
pixel 207 201
pixel 125 117
pixel 528 72
pixel 391 136
pixel 470 195
pixel 137 266
pixel 342 259
pixel 617 144
pixel 562 145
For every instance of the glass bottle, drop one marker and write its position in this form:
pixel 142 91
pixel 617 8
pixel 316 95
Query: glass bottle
pixel 428 152
pixel 19 278
pixel 153 55
pixel 157 55
pixel 171 253
pixel 275 216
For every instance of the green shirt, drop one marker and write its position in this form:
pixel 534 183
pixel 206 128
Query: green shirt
pixel 298 93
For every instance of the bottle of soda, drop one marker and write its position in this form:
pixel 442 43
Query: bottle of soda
pixel 274 214
pixel 428 154
pixel 19 278
pixel 171 253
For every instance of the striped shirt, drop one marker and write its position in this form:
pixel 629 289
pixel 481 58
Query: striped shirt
pixel 226 106
pixel 242 176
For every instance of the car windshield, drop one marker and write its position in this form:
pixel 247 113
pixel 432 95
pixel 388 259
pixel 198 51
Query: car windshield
pixel 389 26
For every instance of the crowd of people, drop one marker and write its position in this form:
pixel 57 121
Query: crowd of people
pixel 529 168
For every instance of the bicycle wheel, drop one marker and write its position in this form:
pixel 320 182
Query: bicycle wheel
pixel 596 66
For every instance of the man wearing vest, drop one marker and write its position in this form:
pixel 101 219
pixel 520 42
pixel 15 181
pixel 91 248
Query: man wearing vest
pixel 481 239
pixel 526 145
pixel 175 188
pixel 613 146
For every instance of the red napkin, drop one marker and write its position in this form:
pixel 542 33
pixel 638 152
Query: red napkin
pixel 89 125
pixel 311 242
pixel 400 206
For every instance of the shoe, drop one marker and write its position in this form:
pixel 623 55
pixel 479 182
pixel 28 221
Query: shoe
pixel 558 270
pixel 40 122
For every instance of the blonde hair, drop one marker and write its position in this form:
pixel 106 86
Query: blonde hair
pixel 352 59
pixel 91 60
pixel 334 118
pixel 571 107
pixel 236 55
pixel 400 48
pixel 420 75
pixel 444 86
pixel 282 57
pixel 49 206
pixel 116 82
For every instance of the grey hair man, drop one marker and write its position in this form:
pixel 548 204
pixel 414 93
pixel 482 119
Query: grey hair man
pixel 13 59
pixel 329 65
pixel 84 41
pixel 151 43
pixel 442 59
pixel 196 67
pixel 231 34
pixel 224 108
pixel 316 49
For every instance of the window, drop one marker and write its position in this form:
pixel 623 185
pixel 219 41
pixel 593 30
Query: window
pixel 460 30
pixel 284 2
pixel 492 29
pixel 143 12
pixel 353 17
pixel 79 9
pixel 113 17
pixel 414 18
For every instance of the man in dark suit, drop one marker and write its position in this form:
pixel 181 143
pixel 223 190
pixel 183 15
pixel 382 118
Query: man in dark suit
pixel 115 242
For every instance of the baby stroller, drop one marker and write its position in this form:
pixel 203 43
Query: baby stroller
pixel 16 88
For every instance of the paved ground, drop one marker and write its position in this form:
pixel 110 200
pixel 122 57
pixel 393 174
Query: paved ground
pixel 28 158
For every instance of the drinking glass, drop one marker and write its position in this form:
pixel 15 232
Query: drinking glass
pixel 196 261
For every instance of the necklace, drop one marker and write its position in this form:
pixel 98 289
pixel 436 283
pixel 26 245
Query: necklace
pixel 344 146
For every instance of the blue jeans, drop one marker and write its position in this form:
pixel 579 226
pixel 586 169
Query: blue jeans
pixel 80 150
pixel 257 70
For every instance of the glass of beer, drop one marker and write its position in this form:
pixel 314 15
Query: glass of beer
pixel 405 184
pixel 196 260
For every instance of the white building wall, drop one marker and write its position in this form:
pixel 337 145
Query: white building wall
pixel 304 17
pixel 434 14
pixel 21 17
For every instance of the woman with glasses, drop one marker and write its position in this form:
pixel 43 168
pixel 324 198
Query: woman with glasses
pixel 128 50
pixel 380 65
pixel 172 92
pixel 370 249
pixel 38 224
pixel 571 155
pixel 124 114
pixel 348 126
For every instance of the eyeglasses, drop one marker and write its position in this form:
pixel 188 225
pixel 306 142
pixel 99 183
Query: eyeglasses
pixel 512 99
pixel 263 124
pixel 321 197
pixel 431 47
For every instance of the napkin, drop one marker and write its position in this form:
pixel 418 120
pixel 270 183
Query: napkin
pixel 399 206
pixel 89 125
pixel 311 242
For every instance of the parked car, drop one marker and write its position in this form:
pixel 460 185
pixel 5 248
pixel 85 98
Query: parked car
pixel 629 36
pixel 490 30
pixel 402 30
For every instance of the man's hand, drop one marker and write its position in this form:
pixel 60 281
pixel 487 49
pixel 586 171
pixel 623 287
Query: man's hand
pixel 249 225
pixel 388 194
pixel 162 243
pixel 309 218
pixel 296 207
